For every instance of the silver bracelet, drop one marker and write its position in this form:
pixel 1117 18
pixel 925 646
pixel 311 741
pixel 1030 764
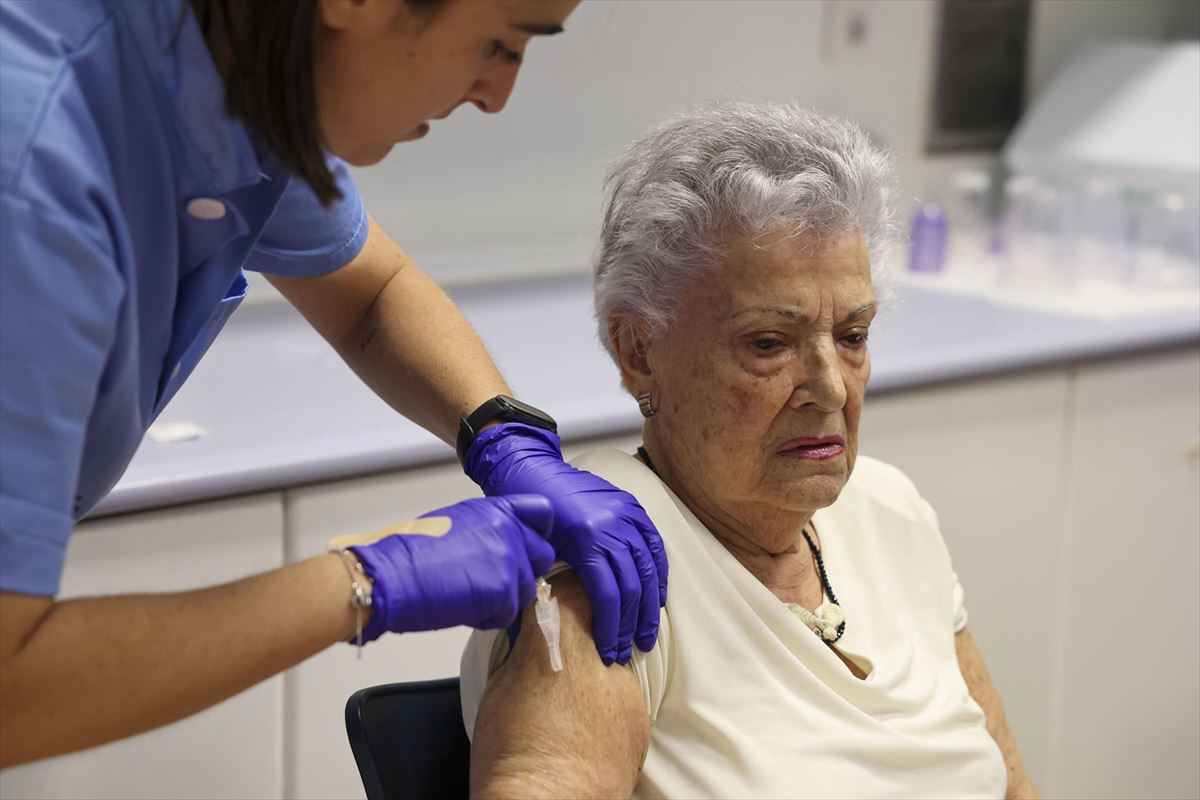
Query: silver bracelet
pixel 360 593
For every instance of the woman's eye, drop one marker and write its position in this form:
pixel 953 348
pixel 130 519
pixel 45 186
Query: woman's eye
pixel 766 345
pixel 856 340
pixel 507 53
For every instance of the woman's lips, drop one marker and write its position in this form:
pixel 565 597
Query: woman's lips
pixel 812 448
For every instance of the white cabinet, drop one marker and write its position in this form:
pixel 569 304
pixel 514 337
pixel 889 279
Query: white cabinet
pixel 988 455
pixel 233 750
pixel 1127 710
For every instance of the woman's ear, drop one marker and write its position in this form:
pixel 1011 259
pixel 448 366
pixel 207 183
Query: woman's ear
pixel 631 346
pixel 345 15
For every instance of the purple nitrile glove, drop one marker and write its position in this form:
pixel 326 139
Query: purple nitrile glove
pixel 480 573
pixel 599 530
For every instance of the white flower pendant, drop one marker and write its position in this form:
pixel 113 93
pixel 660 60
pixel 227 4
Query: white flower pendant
pixel 824 622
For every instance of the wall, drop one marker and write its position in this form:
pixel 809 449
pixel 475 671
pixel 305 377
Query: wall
pixel 493 196
pixel 1060 27
pixel 520 192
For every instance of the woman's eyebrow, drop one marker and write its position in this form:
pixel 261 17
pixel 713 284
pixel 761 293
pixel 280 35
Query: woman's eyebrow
pixel 796 316
pixel 783 311
pixel 860 312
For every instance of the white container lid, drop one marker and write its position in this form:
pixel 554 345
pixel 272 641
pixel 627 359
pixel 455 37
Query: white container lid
pixel 1127 110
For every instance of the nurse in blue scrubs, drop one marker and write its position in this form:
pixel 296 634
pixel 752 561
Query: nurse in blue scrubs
pixel 149 153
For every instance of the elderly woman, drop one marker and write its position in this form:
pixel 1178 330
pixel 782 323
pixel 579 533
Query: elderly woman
pixel 813 643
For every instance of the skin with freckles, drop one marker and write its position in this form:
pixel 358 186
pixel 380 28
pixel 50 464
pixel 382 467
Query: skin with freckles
pixel 768 346
pixel 384 68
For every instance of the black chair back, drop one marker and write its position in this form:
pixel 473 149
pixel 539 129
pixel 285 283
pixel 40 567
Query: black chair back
pixel 409 741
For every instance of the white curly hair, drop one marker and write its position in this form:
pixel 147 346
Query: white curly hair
pixel 675 195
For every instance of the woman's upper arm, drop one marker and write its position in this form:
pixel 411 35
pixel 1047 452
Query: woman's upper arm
pixel 581 732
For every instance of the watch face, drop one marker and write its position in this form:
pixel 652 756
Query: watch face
pixel 529 411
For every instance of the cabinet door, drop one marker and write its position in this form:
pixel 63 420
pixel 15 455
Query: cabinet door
pixel 320 764
pixel 1127 722
pixel 232 750
pixel 988 456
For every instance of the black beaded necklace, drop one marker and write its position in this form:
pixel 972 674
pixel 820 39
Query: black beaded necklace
pixel 816 551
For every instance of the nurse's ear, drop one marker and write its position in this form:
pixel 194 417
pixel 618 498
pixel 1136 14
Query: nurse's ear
pixel 631 345
pixel 374 15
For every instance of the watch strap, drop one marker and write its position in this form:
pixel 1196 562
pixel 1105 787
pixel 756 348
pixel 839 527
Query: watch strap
pixel 500 407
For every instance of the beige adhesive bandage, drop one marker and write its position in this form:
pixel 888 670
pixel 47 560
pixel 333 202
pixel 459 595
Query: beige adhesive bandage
pixel 424 526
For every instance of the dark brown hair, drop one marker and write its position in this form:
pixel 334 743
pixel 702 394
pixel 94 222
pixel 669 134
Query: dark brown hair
pixel 265 50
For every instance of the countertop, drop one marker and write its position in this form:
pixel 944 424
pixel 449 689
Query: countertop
pixel 276 406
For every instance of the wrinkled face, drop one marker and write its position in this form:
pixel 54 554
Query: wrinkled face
pixel 759 382
pixel 385 68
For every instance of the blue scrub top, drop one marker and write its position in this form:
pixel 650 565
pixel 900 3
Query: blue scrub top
pixel 131 203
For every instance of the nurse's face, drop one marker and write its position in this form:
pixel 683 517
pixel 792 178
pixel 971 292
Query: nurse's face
pixel 385 68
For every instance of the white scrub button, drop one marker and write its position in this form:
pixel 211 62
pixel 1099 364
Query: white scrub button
pixel 205 208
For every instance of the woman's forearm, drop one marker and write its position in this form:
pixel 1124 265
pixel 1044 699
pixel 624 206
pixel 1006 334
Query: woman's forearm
pixel 92 670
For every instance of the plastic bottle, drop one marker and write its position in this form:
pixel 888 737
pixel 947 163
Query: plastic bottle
pixel 927 239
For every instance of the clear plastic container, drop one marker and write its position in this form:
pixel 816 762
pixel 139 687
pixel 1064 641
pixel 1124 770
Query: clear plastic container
pixel 1166 252
pixel 968 205
pixel 1039 234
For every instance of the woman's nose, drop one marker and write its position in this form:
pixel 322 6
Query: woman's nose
pixel 819 380
pixel 491 90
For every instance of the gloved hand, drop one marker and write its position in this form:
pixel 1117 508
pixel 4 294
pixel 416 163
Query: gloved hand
pixel 599 530
pixel 480 573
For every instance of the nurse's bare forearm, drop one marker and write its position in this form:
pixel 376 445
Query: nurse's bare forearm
pixel 415 349
pixel 400 332
pixel 79 673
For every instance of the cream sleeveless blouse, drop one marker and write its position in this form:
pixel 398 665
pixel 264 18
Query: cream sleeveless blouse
pixel 746 701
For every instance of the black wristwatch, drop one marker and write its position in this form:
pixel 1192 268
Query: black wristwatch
pixel 500 407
